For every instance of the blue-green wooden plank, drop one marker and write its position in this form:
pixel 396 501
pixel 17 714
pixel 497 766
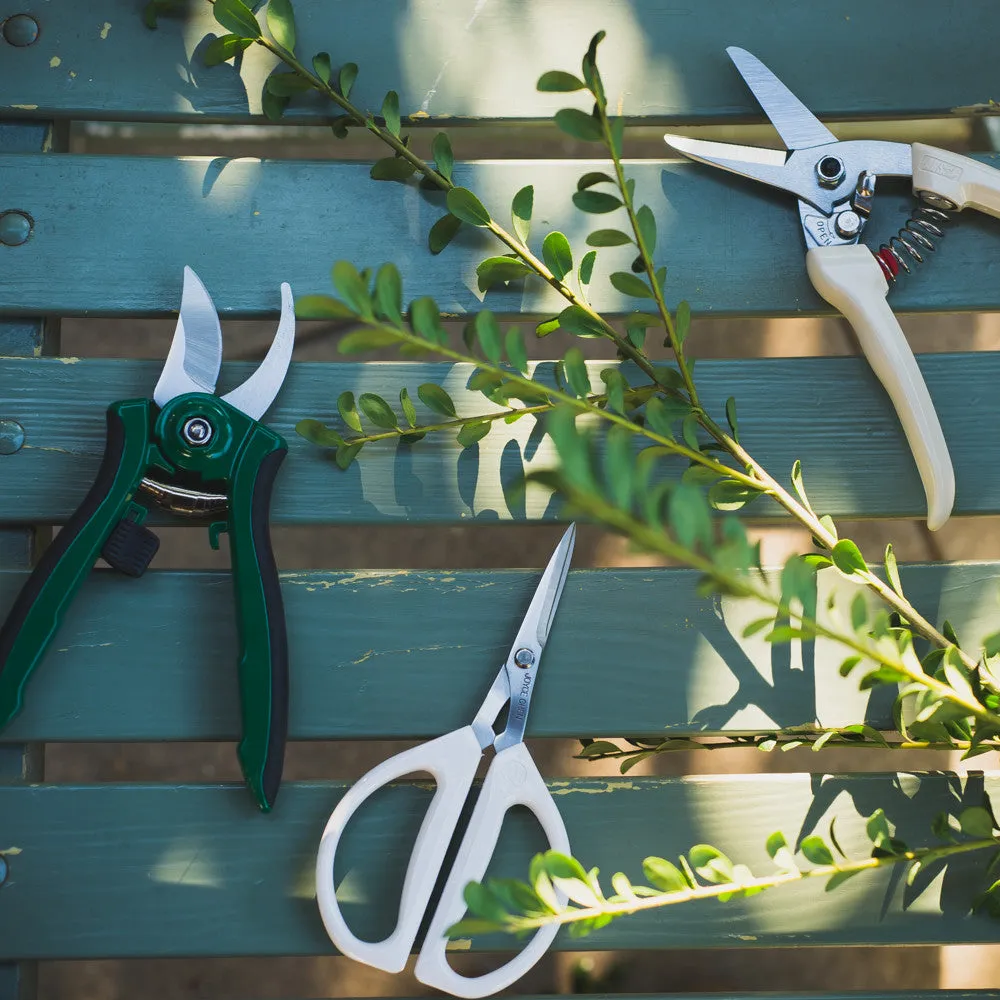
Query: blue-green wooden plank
pixel 121 870
pixel 112 234
pixel 411 654
pixel 829 411
pixel 473 60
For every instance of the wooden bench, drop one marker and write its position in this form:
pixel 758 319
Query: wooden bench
pixel 156 870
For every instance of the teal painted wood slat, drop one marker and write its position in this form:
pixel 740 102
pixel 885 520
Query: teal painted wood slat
pixel 829 411
pixel 123 870
pixel 411 655
pixel 465 60
pixel 118 230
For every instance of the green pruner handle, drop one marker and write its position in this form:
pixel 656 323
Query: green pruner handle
pixel 38 609
pixel 263 665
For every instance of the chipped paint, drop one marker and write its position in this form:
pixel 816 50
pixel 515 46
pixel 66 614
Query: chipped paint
pixel 24 107
pixel 67 361
pixel 55 61
pixel 41 447
pixel 72 73
pixel 105 28
pixel 363 657
pixel 744 937
pixel 9 852
pixel 570 788
pixel 459 944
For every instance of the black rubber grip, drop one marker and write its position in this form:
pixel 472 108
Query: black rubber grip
pixel 260 518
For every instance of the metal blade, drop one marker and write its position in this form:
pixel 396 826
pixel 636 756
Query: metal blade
pixel 257 393
pixel 523 659
pixel 498 696
pixel 195 353
pixel 798 127
pixel 769 166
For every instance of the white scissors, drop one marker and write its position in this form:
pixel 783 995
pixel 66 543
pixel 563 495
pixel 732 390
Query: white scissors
pixel 512 779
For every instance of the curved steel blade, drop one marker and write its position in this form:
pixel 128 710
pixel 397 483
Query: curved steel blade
pixel 257 393
pixel 798 127
pixel 195 353
pixel 526 653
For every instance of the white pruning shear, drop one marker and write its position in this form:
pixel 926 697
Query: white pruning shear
pixel 835 184
pixel 512 779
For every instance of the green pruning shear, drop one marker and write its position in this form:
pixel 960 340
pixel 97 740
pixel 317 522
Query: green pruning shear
pixel 195 454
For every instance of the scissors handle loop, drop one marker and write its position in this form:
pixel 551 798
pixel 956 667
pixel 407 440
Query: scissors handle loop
pixel 513 779
pixel 452 761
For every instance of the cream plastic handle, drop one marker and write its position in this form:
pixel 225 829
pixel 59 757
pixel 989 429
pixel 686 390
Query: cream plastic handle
pixel 452 760
pixel 513 779
pixel 965 182
pixel 850 279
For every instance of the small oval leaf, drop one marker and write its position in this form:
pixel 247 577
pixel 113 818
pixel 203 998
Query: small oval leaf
pixel 464 204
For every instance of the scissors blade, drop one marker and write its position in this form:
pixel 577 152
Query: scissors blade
pixel 798 127
pixel 256 394
pixel 543 605
pixel 195 354
pixel 765 165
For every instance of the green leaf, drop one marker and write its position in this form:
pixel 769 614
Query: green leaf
pixel 470 928
pixel 223 48
pixel 390 112
pixel 578 124
pixel 236 16
pixel 839 878
pixel 348 74
pixel 272 105
pixel 347 453
pixel 578 321
pixel 322 307
pixel 575 370
pixel 321 66
pixel 471 433
pixel 443 232
pixel 598 748
pixel 877 828
pixel 587 267
pixel 663 875
pixel 556 81
pixel 348 411
pixel 365 340
pixel 547 326
pixel 848 665
pixel 517 353
pixel 976 822
pixel 814 849
pixel 520 211
pixel 731 417
pixel 892 570
pixel 689 516
pixel 426 320
pixel 286 84
pixel 573 449
pixel 711 864
pixel 596 202
pixel 389 294
pixel 316 432
pixel 281 23
pixel 682 322
pixel 409 411
pixel 391 168
pixel 481 902
pixel 608 238
pixel 463 203
pixel 444 158
pixel 377 410
pixel 647 227
pixel 859 612
pixel 630 284
pixel 689 431
pixel 557 254
pixel 847 558
pixel 436 399
pixel 499 270
pixel 488 334
pixel 617 385
pixel 592 178
pixel 799 485
pixel 731 494
pixel 352 287
pixel 991 645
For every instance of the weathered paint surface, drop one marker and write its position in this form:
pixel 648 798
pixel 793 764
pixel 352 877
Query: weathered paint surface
pixel 672 663
pixel 732 247
pixel 193 871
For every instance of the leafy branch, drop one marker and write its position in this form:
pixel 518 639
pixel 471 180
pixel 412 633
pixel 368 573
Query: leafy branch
pixel 561 891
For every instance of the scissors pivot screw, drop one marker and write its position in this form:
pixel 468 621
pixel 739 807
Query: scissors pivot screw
pixel 524 658
pixel 197 431
pixel 848 224
pixel 830 171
